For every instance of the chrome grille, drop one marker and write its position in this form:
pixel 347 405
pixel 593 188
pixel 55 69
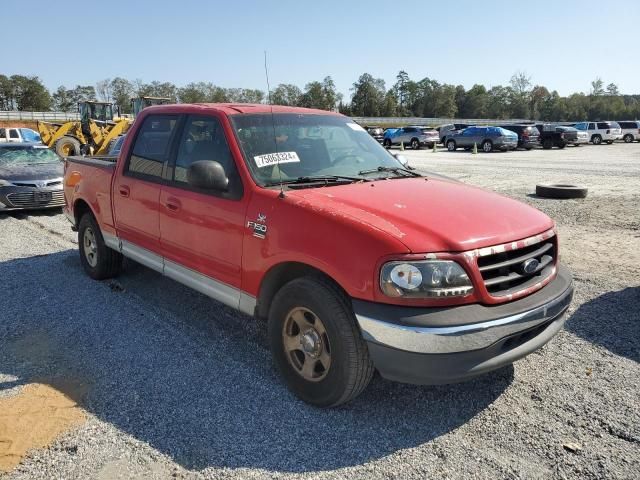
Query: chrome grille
pixel 29 199
pixel 503 272
pixel 39 184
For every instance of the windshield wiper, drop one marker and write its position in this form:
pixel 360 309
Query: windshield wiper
pixel 326 179
pixel 397 170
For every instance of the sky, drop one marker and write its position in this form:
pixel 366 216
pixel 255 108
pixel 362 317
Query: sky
pixel 563 45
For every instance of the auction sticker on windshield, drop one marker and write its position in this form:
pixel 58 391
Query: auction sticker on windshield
pixel 269 159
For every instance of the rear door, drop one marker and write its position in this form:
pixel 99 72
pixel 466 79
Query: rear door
pixel 136 192
pixel 201 230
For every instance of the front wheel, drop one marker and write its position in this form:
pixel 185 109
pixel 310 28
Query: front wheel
pixel 596 139
pixel 316 344
pixel 451 146
pixel 98 261
pixel 415 144
pixel 67 146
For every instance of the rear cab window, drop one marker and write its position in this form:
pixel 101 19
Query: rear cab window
pixel 151 147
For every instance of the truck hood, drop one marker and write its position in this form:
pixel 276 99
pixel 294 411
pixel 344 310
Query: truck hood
pixel 428 214
pixel 43 171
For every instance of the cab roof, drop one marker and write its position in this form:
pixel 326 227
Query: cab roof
pixel 236 108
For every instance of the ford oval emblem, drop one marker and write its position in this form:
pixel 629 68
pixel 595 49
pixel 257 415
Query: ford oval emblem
pixel 530 265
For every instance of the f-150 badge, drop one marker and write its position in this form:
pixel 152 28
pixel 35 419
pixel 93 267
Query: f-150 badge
pixel 259 228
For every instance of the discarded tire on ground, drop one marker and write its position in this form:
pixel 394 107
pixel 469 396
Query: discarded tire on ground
pixel 561 191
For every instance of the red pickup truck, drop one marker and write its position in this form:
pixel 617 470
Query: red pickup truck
pixel 356 261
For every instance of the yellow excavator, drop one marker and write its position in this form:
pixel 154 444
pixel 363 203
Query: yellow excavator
pixel 91 135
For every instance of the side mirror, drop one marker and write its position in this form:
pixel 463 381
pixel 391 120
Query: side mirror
pixel 208 175
pixel 402 159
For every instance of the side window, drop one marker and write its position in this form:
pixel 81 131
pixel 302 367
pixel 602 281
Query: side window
pixel 602 125
pixel 3 133
pixel 13 133
pixel 592 126
pixel 203 139
pixel 151 147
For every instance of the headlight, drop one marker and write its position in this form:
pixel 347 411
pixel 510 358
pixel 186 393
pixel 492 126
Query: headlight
pixel 4 183
pixel 424 279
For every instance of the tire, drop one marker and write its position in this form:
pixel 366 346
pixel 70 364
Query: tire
pixel 99 261
pixel 547 144
pixel 628 138
pixel 576 144
pixel 561 191
pixel 386 143
pixel 562 145
pixel 528 148
pixel 609 142
pixel 350 369
pixel 487 146
pixel 451 145
pixel 596 139
pixel 67 146
pixel 415 144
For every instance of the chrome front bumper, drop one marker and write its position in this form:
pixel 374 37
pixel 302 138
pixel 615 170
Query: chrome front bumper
pixel 445 345
pixel 464 337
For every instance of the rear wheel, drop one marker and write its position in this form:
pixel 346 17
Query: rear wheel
pixel 596 139
pixel 316 344
pixel 415 144
pixel 98 260
pixel 628 138
pixel 451 145
pixel 67 146
pixel 487 146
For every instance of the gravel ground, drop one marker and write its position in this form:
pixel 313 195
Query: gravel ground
pixel 176 385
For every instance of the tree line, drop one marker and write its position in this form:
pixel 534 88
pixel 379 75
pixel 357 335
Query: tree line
pixel 369 97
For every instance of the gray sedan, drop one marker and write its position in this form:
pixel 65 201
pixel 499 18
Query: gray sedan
pixel 30 177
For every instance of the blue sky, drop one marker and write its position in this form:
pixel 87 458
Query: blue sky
pixel 562 45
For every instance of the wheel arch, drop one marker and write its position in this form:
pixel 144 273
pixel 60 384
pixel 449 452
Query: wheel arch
pixel 281 274
pixel 80 207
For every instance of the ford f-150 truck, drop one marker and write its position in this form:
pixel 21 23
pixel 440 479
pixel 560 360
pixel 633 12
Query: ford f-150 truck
pixel 300 218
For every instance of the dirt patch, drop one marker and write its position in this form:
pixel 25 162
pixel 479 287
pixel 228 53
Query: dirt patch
pixel 35 417
pixel 19 124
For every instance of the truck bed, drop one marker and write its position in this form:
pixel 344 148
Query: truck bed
pixel 88 179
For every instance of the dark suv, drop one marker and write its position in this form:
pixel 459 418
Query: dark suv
pixel 528 135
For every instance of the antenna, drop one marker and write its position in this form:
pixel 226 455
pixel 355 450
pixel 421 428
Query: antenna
pixel 273 125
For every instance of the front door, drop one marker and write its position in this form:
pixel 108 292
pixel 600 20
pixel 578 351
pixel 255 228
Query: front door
pixel 201 230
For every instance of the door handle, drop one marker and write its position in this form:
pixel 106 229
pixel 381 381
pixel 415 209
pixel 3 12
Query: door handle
pixel 173 204
pixel 124 190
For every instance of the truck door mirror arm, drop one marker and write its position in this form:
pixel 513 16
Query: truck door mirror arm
pixel 208 175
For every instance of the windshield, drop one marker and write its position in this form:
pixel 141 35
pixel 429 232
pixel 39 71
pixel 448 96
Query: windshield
pixel 30 135
pixel 26 156
pixel 288 146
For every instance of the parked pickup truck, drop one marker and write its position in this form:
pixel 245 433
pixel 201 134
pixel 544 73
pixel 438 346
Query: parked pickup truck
pixel 19 135
pixel 560 136
pixel 300 218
